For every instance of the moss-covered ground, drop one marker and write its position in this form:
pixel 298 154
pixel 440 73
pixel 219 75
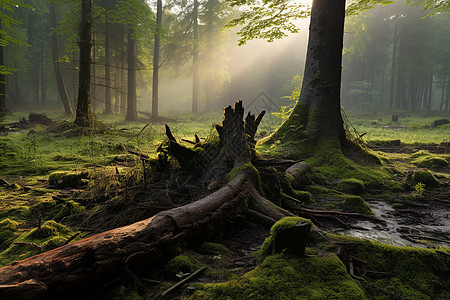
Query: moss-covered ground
pixel 51 177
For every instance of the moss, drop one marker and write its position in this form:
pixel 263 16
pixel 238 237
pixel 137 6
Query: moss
pixel 414 273
pixel 283 276
pixel 303 196
pixel 180 263
pixel 424 159
pixel 357 204
pixel 48 229
pixel 426 177
pixel 8 233
pixel 250 171
pixel 55 242
pixel 213 249
pixel 352 186
pixel 268 247
pixel 66 179
pixel 69 208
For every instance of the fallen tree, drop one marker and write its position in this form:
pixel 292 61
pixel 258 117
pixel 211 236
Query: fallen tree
pixel 112 254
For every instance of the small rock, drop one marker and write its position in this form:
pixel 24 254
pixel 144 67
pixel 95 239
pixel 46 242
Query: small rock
pixel 439 122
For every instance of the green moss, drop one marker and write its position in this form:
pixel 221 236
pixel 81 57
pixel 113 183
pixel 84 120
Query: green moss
pixel 414 273
pixel 249 170
pixel 55 242
pixel 268 247
pixel 283 276
pixel 303 196
pixel 213 249
pixel 69 208
pixel 8 232
pixel 352 186
pixel 424 159
pixel 426 177
pixel 357 204
pixel 66 179
pixel 180 263
pixel 48 229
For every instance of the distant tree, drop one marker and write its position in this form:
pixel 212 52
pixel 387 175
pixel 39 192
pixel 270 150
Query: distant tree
pixel 83 114
pixel 55 57
pixel 156 54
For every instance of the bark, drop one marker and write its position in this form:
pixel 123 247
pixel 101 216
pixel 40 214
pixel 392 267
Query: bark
pixel 55 56
pixel 73 269
pixel 195 75
pixel 83 115
pixel 318 110
pixel 108 100
pixel 155 99
pixel 131 90
pixel 394 59
pixel 2 81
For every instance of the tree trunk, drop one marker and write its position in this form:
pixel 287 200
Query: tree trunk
pixel 155 99
pixel 131 94
pixel 2 80
pixel 83 116
pixel 393 63
pixel 195 74
pixel 108 100
pixel 318 110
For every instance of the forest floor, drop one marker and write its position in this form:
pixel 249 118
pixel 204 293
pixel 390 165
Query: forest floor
pixel 59 184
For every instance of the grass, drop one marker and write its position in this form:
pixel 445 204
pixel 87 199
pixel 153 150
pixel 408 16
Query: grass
pixel 415 128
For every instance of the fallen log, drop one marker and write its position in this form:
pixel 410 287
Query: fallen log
pixel 107 255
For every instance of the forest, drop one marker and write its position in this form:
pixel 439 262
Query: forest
pixel 224 149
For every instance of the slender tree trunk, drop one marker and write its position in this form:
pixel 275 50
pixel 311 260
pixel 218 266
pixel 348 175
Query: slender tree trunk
pixel 2 80
pixel 123 76
pixel 195 61
pixel 430 91
pixel 131 94
pixel 318 111
pixel 44 79
pixel 108 100
pixel 93 85
pixel 83 116
pixel 155 99
pixel 210 83
pixel 55 57
pixel 443 89
pixel 394 59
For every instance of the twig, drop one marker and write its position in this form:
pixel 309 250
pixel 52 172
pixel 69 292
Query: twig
pixel 71 238
pixel 182 282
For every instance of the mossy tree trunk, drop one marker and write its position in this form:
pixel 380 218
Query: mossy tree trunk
pixel 83 116
pixel 317 115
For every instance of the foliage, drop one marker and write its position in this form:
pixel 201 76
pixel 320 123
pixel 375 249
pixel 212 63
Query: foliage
pixel 285 111
pixel 420 188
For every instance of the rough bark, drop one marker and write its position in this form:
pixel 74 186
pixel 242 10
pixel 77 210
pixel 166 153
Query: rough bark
pixel 318 110
pixel 108 99
pixel 2 81
pixel 83 114
pixel 195 74
pixel 131 84
pixel 155 100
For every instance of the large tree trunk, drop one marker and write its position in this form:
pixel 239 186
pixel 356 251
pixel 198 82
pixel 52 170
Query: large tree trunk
pixel 155 99
pixel 83 116
pixel 72 269
pixel 318 110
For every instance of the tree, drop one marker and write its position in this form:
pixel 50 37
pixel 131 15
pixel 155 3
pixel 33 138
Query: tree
pixel 156 48
pixel 317 115
pixel 55 57
pixel 195 73
pixel 131 84
pixel 83 115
